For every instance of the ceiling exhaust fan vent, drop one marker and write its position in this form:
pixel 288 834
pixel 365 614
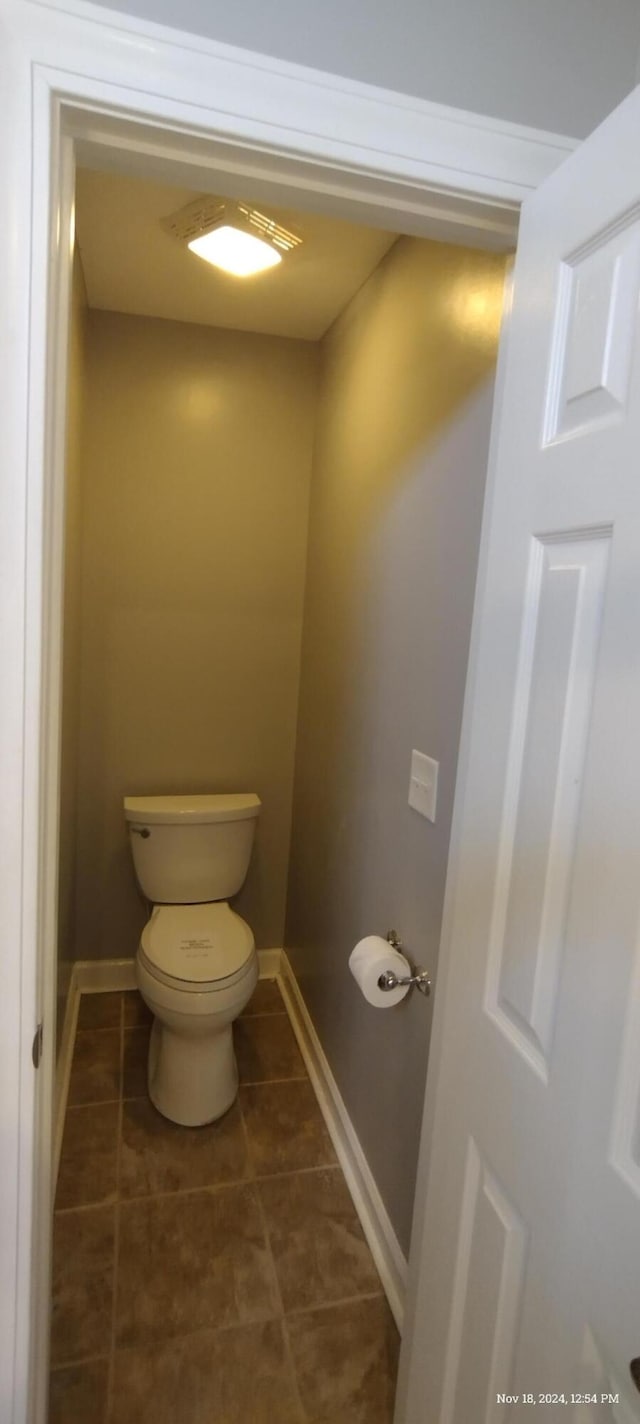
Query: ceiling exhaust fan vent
pixel 204 214
pixel 194 219
pixel 269 230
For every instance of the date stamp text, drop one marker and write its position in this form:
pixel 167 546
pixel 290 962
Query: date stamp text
pixel 542 1398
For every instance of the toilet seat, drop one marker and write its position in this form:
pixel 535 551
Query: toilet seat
pixel 197 948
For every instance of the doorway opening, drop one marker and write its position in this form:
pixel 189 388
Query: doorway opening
pixel 121 94
pixel 248 585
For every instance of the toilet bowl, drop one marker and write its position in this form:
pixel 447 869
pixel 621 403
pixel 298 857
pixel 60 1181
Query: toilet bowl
pixel 196 965
pixel 196 969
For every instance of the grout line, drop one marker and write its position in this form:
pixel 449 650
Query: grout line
pixel 253 1083
pixel 162 1342
pixel 267 1237
pixel 266 1082
pixel 266 1014
pixel 282 1315
pixel 168 1340
pixel 299 1171
pixel 95 1103
pixel 253 1178
pixel 84 1030
pixel 95 1033
pixel 292 1367
pixel 187 1191
pixel 81 1360
pixel 334 1304
pixel 274 1270
pixel 116 1240
pixel 87 1206
pixel 247 1142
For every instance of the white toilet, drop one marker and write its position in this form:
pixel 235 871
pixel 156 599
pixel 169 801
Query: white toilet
pixel 196 965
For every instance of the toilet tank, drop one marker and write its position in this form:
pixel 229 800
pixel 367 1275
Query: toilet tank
pixel 190 849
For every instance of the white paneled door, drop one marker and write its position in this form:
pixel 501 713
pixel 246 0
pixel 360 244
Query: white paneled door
pixel 527 1253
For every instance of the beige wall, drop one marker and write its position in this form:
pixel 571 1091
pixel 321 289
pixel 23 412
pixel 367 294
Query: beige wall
pixel 397 490
pixel 71 637
pixel 197 468
pixel 196 463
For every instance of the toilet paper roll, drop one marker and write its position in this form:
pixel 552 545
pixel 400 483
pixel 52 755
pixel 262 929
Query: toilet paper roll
pixel 372 957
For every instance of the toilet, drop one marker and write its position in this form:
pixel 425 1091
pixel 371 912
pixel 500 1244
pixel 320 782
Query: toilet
pixel 196 964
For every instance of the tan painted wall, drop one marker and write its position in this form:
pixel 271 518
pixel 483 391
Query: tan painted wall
pixel 397 491
pixel 71 637
pixel 198 457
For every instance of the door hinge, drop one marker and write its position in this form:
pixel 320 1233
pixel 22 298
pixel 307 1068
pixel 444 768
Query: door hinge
pixel 36 1047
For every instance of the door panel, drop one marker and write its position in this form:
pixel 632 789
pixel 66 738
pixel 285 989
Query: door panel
pixel 525 1276
pixel 595 331
pixel 550 720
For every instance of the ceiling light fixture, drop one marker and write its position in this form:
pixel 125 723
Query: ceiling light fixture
pixel 235 251
pixel 232 236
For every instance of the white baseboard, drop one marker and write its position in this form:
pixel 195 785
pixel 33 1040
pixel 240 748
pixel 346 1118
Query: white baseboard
pixel 374 1218
pixel 88 976
pixel 270 962
pixel 63 1068
pixel 104 976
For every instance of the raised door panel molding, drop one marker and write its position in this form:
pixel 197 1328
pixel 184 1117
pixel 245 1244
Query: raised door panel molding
pixel 485 1305
pixel 625 1138
pixel 594 332
pixel 552 709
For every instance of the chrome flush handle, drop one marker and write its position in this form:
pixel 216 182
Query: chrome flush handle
pixel 140 831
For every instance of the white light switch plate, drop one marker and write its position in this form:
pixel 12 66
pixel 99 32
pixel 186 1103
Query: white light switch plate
pixel 423 786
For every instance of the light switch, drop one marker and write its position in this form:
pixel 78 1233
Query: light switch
pixel 423 786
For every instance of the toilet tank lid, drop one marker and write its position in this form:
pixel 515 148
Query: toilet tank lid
pixel 193 810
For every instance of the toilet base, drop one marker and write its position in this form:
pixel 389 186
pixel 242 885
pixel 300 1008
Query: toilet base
pixel 192 1079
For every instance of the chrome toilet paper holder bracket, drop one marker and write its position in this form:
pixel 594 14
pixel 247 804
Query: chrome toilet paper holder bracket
pixel 387 981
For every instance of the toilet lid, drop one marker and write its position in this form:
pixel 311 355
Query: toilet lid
pixel 197 944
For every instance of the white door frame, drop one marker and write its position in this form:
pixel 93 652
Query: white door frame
pixel 77 79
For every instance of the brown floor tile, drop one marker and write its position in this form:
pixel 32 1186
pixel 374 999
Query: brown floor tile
pixel 238 1376
pixel 266 999
pixel 197 1311
pixel 95 1070
pixel 159 1156
pixel 346 1362
pixel 83 1252
pixel 266 1049
pixel 285 1127
pixel 192 1261
pixel 100 1011
pixel 88 1161
pixel 78 1394
pixel 134 1061
pixel 135 1009
pixel 317 1241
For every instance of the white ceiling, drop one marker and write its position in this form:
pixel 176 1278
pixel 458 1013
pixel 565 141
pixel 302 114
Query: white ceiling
pixel 132 265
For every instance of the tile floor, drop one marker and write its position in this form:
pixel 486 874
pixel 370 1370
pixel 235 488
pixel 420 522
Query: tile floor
pixel 209 1275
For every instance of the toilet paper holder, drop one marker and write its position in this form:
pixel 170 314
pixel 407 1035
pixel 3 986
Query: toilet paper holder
pixel 387 981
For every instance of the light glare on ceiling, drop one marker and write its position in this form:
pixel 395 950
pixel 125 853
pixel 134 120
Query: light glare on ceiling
pixel 235 251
